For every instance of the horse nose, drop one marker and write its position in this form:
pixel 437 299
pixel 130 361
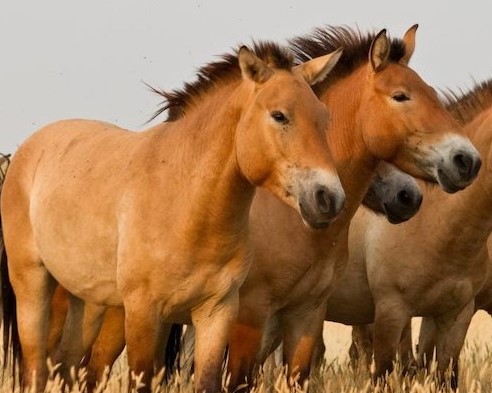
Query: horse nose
pixel 328 203
pixel 467 165
pixel 409 198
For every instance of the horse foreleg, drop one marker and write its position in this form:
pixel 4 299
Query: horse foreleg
pixel 390 320
pixel 108 346
pixel 212 322
pixel 142 324
pixel 427 342
pixel 406 347
pixel 362 345
pixel 451 332
pixel 301 330
pixel 244 348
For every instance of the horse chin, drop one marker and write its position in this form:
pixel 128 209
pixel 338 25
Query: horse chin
pixel 311 222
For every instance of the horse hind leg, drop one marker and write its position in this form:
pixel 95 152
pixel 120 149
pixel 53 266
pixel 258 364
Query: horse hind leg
pixel 80 331
pixel 108 346
pixel 34 288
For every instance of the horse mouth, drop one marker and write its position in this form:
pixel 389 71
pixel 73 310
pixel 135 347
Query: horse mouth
pixel 312 222
pixel 446 183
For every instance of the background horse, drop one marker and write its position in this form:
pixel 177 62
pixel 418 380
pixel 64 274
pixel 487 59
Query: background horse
pixel 165 230
pixel 381 110
pixel 431 266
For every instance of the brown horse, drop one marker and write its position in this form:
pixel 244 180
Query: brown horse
pixel 436 272
pixel 381 110
pixel 157 221
pixel 391 193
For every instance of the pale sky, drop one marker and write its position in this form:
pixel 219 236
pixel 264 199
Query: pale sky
pixel 88 59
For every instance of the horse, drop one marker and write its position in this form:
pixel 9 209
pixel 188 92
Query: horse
pixel 381 110
pixel 392 193
pixel 436 272
pixel 157 221
pixel 427 335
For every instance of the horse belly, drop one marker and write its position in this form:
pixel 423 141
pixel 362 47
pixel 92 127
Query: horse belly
pixel 77 243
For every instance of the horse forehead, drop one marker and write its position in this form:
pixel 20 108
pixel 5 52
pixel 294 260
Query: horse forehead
pixel 291 92
pixel 397 75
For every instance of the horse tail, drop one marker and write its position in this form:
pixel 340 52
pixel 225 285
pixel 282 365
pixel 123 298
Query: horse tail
pixel 11 341
pixel 173 348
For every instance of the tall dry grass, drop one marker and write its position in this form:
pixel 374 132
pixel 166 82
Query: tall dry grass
pixel 335 376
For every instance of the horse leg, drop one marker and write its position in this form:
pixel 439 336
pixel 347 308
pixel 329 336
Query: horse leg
pixel 212 322
pixel 80 331
pixel 362 345
pixel 301 330
pixel 451 332
pixel 58 315
pixel 406 347
pixel 389 323
pixel 142 324
pixel 427 342
pixel 34 289
pixel 160 356
pixel 187 352
pixel 244 347
pixel 108 346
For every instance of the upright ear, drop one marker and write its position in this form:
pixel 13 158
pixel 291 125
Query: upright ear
pixel 379 51
pixel 252 67
pixel 409 44
pixel 316 70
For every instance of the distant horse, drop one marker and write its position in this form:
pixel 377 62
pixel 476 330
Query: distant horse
pixel 381 110
pixel 437 271
pixel 4 163
pixel 157 221
pixel 391 193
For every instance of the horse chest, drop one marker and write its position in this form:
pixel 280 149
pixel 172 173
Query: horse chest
pixel 445 296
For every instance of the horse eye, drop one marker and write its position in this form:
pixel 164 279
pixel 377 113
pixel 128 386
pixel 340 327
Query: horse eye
pixel 279 117
pixel 400 97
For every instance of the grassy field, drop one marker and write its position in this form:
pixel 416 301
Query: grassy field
pixel 336 376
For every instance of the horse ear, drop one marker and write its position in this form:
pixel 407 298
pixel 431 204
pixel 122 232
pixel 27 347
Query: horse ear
pixel 316 70
pixel 379 51
pixel 252 67
pixel 409 44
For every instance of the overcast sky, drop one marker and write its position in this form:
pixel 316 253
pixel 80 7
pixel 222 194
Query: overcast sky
pixel 88 59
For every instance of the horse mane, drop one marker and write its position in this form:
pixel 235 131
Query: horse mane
pixel 177 102
pixel 355 46
pixel 466 105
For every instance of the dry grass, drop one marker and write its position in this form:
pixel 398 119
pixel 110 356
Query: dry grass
pixel 336 376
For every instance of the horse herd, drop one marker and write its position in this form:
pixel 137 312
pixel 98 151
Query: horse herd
pixel 239 214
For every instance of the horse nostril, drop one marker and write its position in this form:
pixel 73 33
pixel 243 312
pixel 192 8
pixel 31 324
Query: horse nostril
pixel 404 197
pixel 323 200
pixel 463 162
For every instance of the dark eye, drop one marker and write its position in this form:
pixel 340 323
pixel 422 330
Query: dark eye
pixel 400 97
pixel 279 117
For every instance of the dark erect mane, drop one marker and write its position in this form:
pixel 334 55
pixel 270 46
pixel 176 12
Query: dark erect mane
pixel 355 46
pixel 177 102
pixel 465 106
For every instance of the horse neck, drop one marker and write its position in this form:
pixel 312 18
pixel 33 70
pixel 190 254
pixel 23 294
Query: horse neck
pixel 202 144
pixel 355 164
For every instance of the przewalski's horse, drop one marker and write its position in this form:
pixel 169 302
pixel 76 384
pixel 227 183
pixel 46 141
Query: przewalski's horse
pixel 381 110
pixel 392 193
pixel 157 221
pixel 436 271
